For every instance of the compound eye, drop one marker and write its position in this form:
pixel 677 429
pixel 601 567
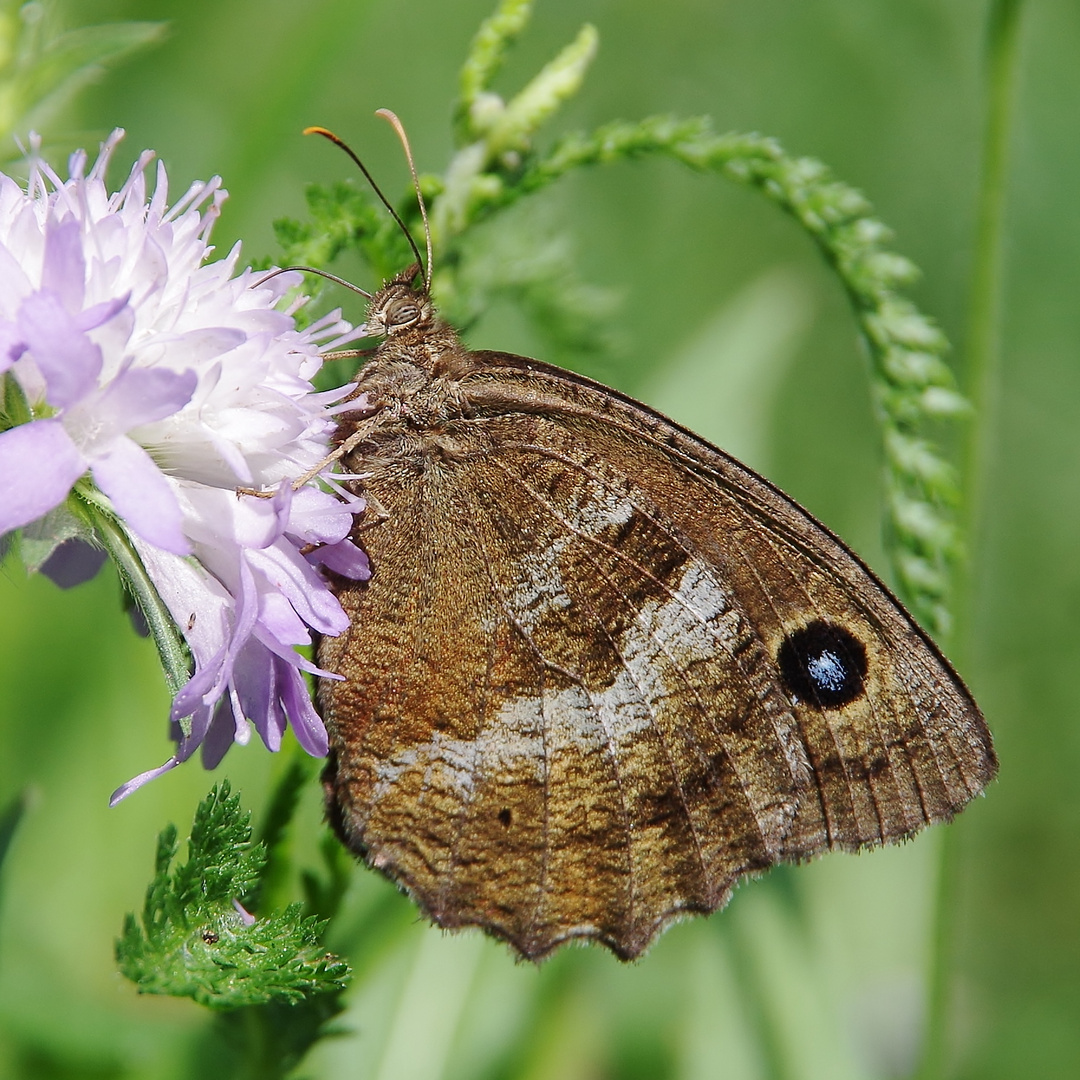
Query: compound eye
pixel 402 313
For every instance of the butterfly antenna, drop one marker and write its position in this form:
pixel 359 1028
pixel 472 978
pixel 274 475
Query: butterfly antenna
pixel 327 134
pixel 395 123
pixel 311 270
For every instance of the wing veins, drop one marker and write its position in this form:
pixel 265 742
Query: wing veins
pixel 704 711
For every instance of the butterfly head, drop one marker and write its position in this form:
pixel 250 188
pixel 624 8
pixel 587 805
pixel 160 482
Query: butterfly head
pixel 400 307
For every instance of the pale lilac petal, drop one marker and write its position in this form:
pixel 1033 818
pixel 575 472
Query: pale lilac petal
pixel 306 723
pixel 189 737
pixel 282 505
pixel 295 578
pixel 124 790
pixel 39 463
pixel 345 559
pixel 265 711
pixel 141 495
pixel 218 517
pixel 291 656
pixel 245 616
pixel 329 397
pixel 195 690
pixel 253 680
pixel 99 314
pixel 278 618
pixel 317 517
pixel 63 272
pixel 67 358
pixel 272 725
pixel 140 396
pixel 220 735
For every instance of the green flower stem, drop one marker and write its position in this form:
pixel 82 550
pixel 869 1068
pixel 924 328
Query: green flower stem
pixel 982 364
pixel 983 375
pixel 175 658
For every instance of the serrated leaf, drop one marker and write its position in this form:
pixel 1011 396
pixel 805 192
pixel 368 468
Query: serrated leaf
pixel 195 940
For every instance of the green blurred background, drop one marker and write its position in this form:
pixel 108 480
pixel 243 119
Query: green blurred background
pixel 727 320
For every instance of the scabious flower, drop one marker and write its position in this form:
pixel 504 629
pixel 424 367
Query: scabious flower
pixel 163 382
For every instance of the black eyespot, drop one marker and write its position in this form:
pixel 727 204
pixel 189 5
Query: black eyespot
pixel 505 816
pixel 210 937
pixel 823 664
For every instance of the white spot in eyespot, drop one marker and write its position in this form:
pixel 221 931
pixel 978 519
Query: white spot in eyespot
pixel 827 670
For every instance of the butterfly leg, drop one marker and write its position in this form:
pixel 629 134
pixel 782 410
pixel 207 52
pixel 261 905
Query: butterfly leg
pixel 374 513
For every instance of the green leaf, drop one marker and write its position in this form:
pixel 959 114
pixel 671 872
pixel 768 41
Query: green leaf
pixel 42 67
pixel 194 940
pixel 72 61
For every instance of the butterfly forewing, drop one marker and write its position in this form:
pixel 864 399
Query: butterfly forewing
pixel 602 670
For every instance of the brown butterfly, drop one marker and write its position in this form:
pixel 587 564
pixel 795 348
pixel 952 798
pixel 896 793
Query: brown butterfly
pixel 602 670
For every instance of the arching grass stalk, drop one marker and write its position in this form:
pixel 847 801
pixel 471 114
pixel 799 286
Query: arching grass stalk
pixel 912 385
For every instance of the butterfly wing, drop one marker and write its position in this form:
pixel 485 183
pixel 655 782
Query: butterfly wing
pixel 603 671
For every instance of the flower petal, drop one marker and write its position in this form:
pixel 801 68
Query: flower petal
pixel 99 314
pixel 39 463
pixel 136 782
pixel 317 517
pixel 142 395
pixel 141 494
pixel 220 735
pixel 345 559
pixel 306 722
pixel 286 570
pixel 63 271
pixel 67 358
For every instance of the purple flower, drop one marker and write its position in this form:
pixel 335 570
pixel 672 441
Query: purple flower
pixel 157 383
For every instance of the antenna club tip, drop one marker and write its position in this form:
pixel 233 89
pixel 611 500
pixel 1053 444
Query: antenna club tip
pixel 316 129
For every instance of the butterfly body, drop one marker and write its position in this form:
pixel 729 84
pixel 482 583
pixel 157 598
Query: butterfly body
pixel 602 670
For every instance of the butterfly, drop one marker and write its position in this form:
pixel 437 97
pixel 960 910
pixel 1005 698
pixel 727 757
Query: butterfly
pixel 603 671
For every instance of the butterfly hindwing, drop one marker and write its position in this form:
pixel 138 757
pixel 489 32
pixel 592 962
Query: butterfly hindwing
pixel 602 670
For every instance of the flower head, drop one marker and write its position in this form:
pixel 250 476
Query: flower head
pixel 164 382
